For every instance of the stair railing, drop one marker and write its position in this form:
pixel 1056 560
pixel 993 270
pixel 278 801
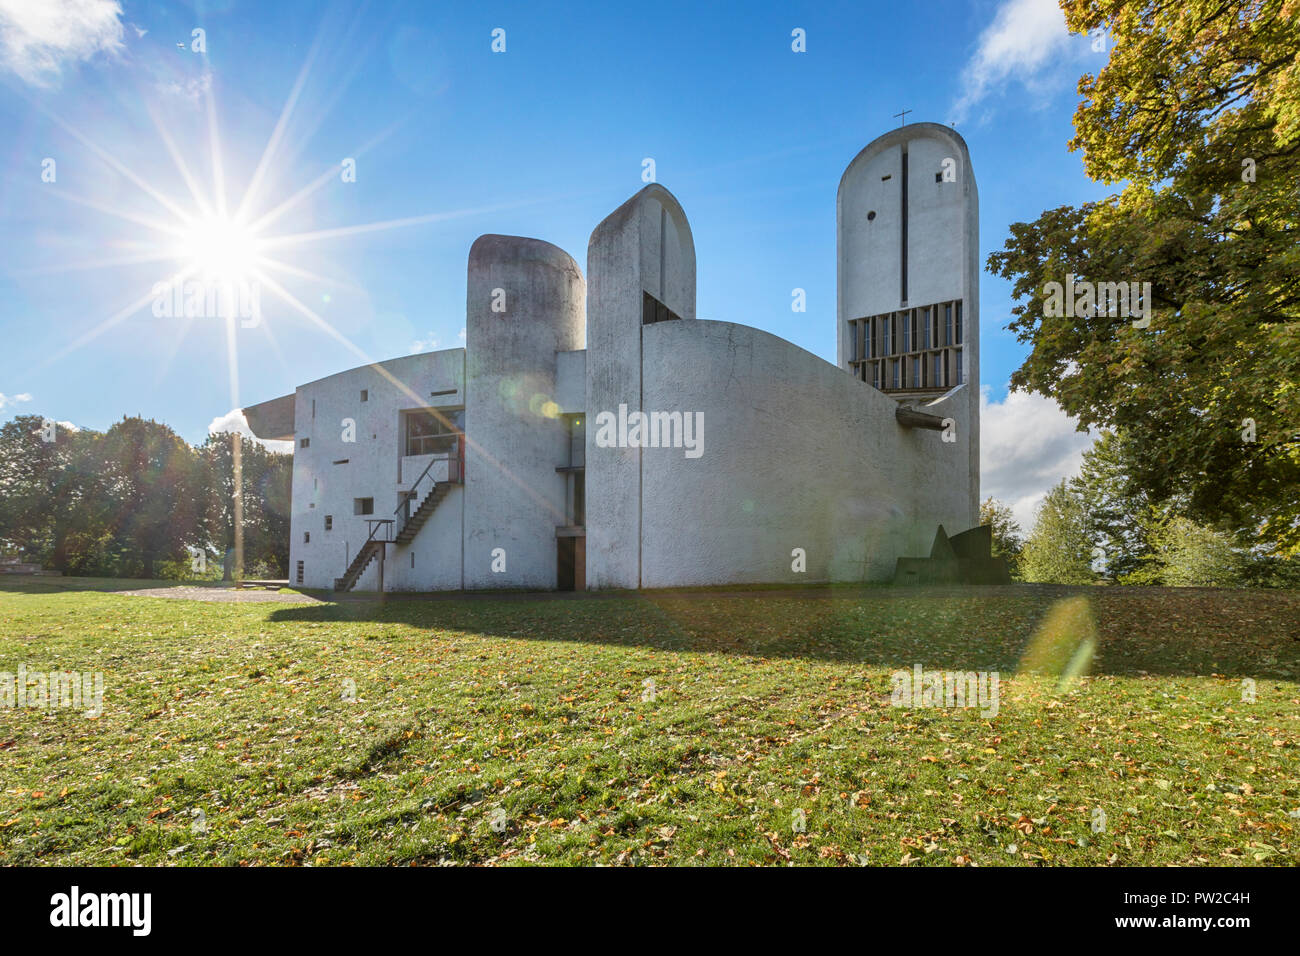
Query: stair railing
pixel 455 474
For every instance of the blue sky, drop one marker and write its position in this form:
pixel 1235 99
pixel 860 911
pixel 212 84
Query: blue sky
pixel 541 140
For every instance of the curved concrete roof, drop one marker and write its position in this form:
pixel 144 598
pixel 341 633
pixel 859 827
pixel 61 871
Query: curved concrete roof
pixel 619 217
pixel 493 248
pixel 902 135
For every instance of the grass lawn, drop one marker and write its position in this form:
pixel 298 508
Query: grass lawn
pixel 520 731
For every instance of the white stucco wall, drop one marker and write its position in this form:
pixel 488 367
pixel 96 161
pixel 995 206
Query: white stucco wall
pixel 797 454
pixel 942 247
pixel 643 246
pixel 514 436
pixel 373 468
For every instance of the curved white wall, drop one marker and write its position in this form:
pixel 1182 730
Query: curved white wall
pixel 797 454
pixel 514 496
pixel 643 246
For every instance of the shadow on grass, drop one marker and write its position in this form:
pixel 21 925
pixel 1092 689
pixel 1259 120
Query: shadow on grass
pixel 1172 632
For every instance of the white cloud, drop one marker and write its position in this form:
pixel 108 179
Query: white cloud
pixel 38 38
pixel 193 89
pixel 1027 445
pixel 424 345
pixel 235 422
pixel 461 335
pixel 1026 39
pixel 7 400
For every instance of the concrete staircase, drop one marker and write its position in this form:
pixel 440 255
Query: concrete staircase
pixel 369 551
pixel 421 514
pixel 411 523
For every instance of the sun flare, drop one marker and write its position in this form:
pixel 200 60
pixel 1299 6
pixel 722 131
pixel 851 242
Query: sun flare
pixel 220 248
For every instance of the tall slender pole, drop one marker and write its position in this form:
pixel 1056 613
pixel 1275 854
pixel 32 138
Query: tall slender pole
pixel 237 473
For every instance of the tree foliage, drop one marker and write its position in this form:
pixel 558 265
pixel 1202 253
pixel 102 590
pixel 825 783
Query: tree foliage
pixel 1008 540
pixel 1059 550
pixel 1197 111
pixel 136 499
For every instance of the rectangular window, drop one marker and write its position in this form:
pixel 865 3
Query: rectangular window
pixel 329 522
pixel 304 443
pixel 313 408
pixel 430 432
pixel 853 341
pixel 894 373
pixel 363 506
pixel 299 573
pixel 925 327
pixel 577 440
pixel 937 374
pixel 365 394
pixel 907 331
pixel 916 371
pixel 957 367
pixel 958 325
pixel 306 537
pixel 947 324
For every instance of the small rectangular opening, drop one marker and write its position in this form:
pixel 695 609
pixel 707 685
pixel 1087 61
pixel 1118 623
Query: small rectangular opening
pixel 363 506
pixel 329 522
pixel 299 574
pixel 365 394
pixel 304 443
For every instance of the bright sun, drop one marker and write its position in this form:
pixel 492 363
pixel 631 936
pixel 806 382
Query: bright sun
pixel 221 249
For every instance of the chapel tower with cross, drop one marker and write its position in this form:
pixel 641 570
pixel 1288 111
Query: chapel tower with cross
pixel 907 218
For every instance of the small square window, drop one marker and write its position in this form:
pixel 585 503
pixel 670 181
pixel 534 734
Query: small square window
pixel 304 443
pixel 363 506
pixel 938 177
pixel 329 522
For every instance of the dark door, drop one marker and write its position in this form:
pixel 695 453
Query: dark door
pixel 564 564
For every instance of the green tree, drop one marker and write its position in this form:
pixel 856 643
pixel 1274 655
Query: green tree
pixel 1117 507
pixel 1197 113
pixel 1059 549
pixel 153 477
pixel 1008 540
pixel 52 496
pixel 267 478
pixel 1187 554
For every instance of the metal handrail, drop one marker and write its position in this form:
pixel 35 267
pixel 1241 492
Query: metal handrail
pixel 375 524
pixel 456 458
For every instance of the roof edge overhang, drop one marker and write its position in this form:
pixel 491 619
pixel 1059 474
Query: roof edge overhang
pixel 273 420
